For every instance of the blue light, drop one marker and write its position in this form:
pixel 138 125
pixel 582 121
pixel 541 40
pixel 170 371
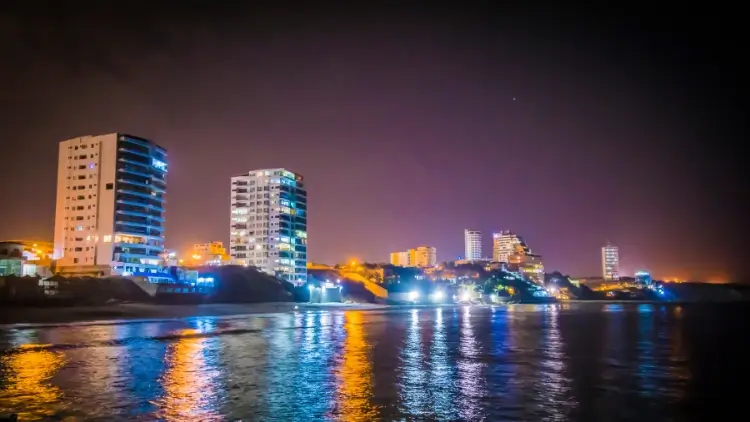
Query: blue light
pixel 161 165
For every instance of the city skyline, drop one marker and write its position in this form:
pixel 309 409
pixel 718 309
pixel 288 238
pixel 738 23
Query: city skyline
pixel 404 139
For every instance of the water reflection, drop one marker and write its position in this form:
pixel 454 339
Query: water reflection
pixel 413 375
pixel 645 364
pixel 599 362
pixel 470 377
pixel 554 386
pixel 190 384
pixel 442 371
pixel 354 398
pixel 28 388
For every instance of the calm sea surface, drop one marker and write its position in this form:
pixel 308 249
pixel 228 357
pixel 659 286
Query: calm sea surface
pixel 595 362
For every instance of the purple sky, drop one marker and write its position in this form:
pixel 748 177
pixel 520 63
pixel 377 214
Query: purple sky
pixel 409 126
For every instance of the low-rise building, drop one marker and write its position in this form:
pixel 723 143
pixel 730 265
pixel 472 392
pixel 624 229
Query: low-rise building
pixel 11 259
pixel 211 253
pixel 421 256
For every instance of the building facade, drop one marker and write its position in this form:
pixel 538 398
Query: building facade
pixel 110 210
pixel 531 266
pixel 643 277
pixel 211 253
pixel 472 245
pixel 268 228
pixel 610 262
pixel 504 244
pixel 423 256
pixel 400 259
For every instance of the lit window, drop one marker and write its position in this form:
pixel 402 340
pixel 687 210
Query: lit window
pixel 107 238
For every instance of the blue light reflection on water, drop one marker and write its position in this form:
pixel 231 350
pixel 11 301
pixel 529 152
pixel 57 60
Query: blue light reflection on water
pixel 446 363
pixel 442 370
pixel 414 389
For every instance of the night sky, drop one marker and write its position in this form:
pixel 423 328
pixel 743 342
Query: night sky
pixel 409 123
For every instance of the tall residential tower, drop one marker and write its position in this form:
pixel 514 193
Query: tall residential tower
pixel 269 223
pixel 505 244
pixel 473 245
pixel 610 262
pixel 109 216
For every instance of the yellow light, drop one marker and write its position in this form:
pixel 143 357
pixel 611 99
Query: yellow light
pixel 196 256
pixel 35 245
pixel 181 261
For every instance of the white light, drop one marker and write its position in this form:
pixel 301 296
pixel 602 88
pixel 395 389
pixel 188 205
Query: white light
pixel 439 295
pixel 465 296
pixel 413 295
pixel 311 288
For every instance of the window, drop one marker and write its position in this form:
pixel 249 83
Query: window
pixel 107 238
pixel 110 186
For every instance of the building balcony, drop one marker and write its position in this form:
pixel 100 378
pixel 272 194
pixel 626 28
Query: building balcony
pixel 125 190
pixel 132 150
pixel 148 226
pixel 133 171
pixel 154 204
pixel 140 214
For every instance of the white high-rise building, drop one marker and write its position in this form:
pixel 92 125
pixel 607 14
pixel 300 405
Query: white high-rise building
pixel 269 223
pixel 473 245
pixel 504 244
pixel 610 262
pixel 109 216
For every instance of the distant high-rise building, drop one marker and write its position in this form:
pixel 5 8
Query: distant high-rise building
pixel 610 262
pixel 473 245
pixel 423 256
pixel 400 259
pixel 269 223
pixel 505 244
pixel 109 216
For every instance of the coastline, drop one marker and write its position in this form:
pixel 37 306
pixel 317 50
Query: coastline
pixel 126 312
pixel 19 317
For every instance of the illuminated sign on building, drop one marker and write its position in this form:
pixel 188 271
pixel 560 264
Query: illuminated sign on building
pixel 161 165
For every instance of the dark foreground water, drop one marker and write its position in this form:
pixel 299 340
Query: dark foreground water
pixel 594 362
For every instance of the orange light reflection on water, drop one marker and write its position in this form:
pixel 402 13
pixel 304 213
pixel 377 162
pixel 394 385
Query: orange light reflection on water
pixel 355 373
pixel 27 383
pixel 185 381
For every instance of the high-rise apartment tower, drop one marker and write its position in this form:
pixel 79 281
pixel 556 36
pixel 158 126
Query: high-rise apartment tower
pixel 269 223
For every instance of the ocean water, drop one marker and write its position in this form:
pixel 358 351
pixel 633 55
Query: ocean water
pixel 597 362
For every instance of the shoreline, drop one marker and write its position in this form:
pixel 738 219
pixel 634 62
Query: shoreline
pixel 145 312
pixel 20 317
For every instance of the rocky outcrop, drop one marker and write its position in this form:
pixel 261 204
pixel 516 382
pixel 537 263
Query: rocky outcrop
pixel 237 284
